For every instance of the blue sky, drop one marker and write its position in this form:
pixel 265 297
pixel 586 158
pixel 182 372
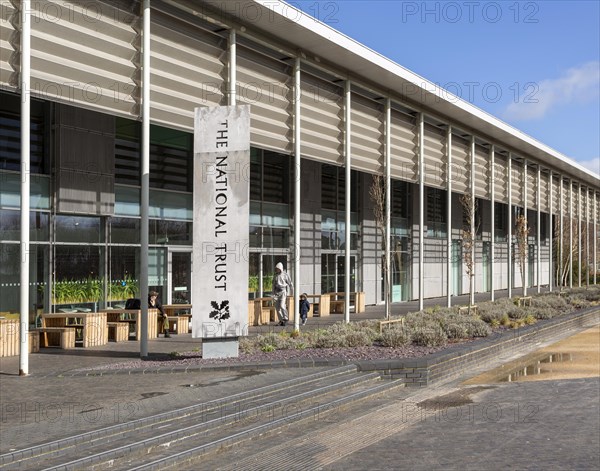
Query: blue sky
pixel 535 65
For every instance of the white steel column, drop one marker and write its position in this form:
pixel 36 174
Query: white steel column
pixel 579 238
pixel 231 96
pixel 388 206
pixel 348 140
pixel 145 196
pixel 587 236
pixel 539 227
pixel 472 224
pixel 297 186
pixel 550 232
pixel 421 210
pixel 525 274
pixel 449 217
pixel 571 233
pixel 510 223
pixel 493 224
pixel 25 186
pixel 561 249
pixel 595 238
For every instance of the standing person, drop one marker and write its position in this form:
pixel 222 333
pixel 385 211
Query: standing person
pixel 154 303
pixel 282 286
pixel 304 307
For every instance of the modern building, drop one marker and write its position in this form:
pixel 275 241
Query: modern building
pixel 317 97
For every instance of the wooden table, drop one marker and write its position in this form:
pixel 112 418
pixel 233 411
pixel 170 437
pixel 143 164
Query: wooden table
pixel 92 324
pixel 134 316
pixel 320 303
pixel 337 301
pixel 184 326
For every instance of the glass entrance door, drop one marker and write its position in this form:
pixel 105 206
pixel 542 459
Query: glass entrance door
pixel 180 277
pixel 261 271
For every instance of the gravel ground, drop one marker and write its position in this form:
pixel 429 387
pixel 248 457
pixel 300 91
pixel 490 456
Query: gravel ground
pixel 351 354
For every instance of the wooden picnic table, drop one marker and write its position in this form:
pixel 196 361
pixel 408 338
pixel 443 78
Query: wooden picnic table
pixel 134 316
pixel 337 301
pixel 319 304
pixel 94 330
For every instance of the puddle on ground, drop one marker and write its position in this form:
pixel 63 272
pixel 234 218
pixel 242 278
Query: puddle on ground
pixel 458 398
pixel 223 379
pixel 577 356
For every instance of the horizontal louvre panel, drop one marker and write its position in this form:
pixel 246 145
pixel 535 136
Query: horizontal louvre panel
pixel 517 184
pixel 500 179
pixel 435 158
pixel 83 59
pixel 543 190
pixel 322 125
pixel 367 133
pixel 461 164
pixel 187 71
pixel 264 83
pixel 482 179
pixel 532 189
pixel 9 59
pixel 404 158
pixel 556 209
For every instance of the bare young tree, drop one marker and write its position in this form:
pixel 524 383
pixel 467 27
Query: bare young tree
pixel 566 253
pixel 469 236
pixel 522 236
pixel 377 195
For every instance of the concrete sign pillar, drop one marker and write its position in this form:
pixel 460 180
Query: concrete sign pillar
pixel 221 221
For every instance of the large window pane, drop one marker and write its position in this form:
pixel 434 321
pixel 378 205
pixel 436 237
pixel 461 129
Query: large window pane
pixel 124 231
pixel 10 191
pixel 10 225
pixel 78 229
pixel 170 232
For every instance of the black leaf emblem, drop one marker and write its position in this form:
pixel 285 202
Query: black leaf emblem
pixel 221 312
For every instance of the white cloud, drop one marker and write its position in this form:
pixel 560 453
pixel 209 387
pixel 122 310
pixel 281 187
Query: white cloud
pixel 577 85
pixel 591 164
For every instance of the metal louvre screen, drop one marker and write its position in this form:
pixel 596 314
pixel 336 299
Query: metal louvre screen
pixel 517 183
pixel 367 135
pixel 266 85
pixel 9 68
pixel 482 174
pixel 404 158
pixel 435 156
pixel 322 122
pixel 187 70
pixel 85 55
pixel 461 164
pixel 532 187
pixel 543 191
pixel 500 178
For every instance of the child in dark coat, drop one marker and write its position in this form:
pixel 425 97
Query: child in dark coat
pixel 304 307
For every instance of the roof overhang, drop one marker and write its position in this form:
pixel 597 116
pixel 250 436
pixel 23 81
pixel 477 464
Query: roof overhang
pixel 319 43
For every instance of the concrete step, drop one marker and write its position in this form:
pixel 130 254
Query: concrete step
pixel 203 426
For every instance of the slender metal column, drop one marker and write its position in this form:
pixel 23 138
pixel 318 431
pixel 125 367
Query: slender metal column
pixel 561 212
pixel 595 238
pixel 524 277
pixel 587 236
pixel 231 96
pixel 449 217
pixel 348 137
pixel 421 210
pixel 297 186
pixel 25 185
pixel 579 238
pixel 539 227
pixel 493 215
pixel 550 231
pixel 510 223
pixel 571 233
pixel 388 205
pixel 145 196
pixel 472 222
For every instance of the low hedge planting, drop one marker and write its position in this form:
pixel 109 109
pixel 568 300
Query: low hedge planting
pixel 431 327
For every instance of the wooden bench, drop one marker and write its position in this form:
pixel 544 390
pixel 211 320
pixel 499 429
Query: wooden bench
pixel 179 324
pixel 10 338
pixel 118 331
pixel 337 301
pixel 63 337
